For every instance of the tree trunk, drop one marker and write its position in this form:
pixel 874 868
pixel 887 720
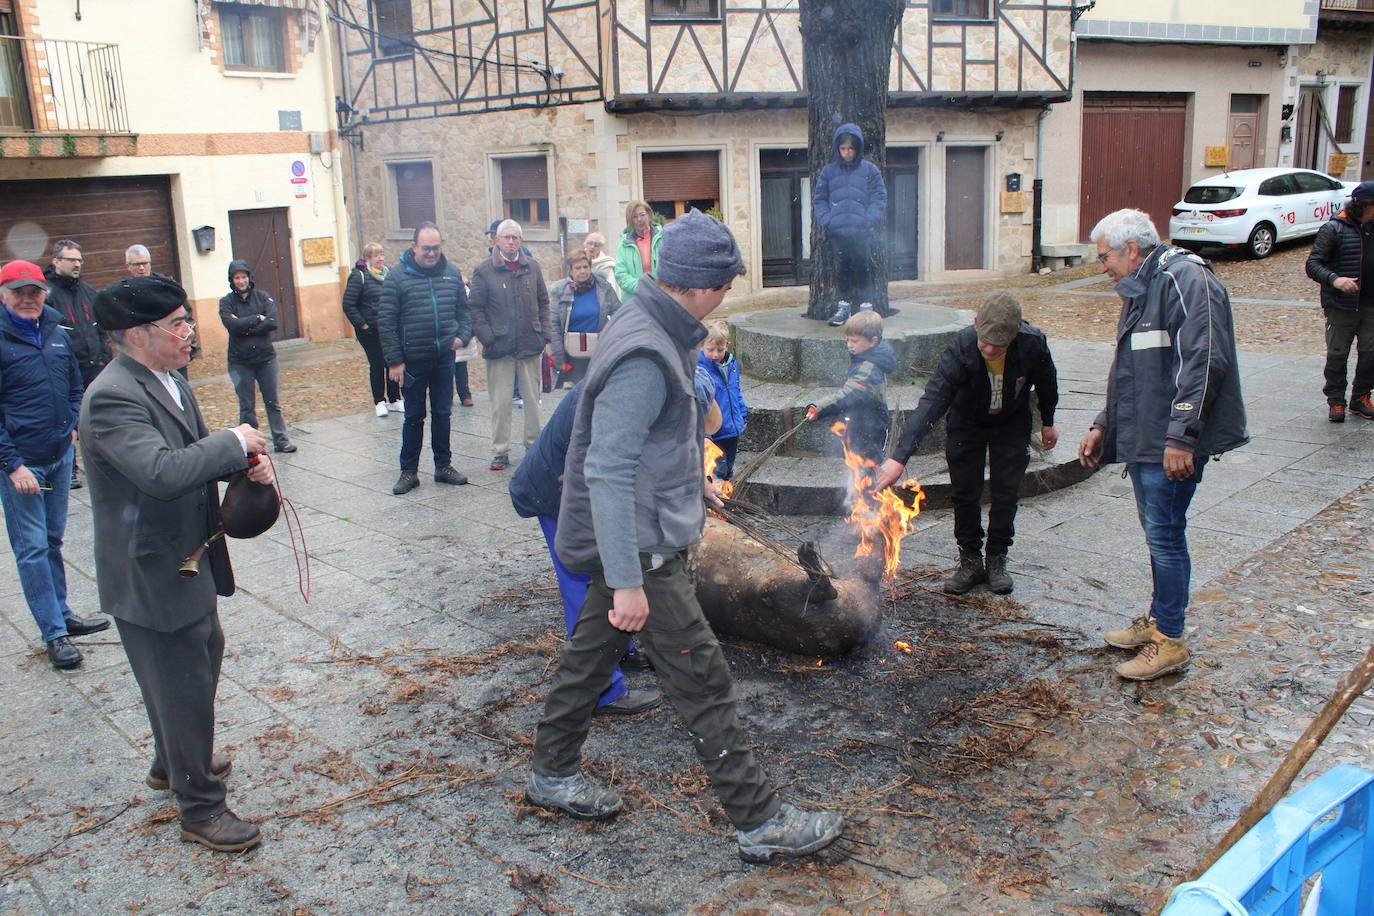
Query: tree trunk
pixel 847 46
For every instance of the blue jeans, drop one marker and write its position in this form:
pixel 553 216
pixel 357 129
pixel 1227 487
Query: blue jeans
pixel 36 525
pixel 1163 507
pixel 573 587
pixel 436 378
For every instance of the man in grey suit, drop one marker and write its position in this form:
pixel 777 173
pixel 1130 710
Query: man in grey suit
pixel 153 470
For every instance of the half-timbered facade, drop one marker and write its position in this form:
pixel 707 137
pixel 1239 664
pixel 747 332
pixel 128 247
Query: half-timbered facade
pixel 559 112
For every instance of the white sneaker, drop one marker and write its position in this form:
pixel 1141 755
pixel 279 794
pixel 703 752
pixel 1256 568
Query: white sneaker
pixel 519 402
pixel 398 405
pixel 381 409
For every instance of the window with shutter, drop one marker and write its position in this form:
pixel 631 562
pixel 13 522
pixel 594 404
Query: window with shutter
pixel 413 187
pixel 959 9
pixel 1345 114
pixel 525 189
pixel 676 182
pixel 394 27
pixel 684 9
pixel 252 37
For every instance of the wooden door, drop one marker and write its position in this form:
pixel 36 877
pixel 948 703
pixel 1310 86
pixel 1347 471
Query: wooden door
pixel 263 239
pixel 1244 130
pixel 903 211
pixel 1307 149
pixel 965 206
pixel 102 215
pixel 1133 155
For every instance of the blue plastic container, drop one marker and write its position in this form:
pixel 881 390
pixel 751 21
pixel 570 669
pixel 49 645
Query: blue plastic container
pixel 1321 832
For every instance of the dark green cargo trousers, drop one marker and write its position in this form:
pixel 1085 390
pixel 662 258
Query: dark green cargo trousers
pixel 691 671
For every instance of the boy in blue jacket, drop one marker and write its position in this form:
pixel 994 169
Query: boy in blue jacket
pixel 850 200
pixel 721 366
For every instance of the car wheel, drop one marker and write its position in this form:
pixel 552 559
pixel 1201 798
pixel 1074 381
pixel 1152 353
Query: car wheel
pixel 1261 241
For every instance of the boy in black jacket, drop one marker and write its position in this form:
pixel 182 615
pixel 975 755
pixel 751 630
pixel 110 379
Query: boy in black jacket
pixel 984 381
pixel 862 399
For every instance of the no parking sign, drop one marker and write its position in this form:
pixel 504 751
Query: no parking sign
pixel 299 179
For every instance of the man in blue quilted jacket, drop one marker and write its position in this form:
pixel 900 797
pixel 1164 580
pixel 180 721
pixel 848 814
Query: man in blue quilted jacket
pixel 850 201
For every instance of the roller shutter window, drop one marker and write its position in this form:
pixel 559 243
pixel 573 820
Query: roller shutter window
pixel 678 181
pixel 525 189
pixel 413 183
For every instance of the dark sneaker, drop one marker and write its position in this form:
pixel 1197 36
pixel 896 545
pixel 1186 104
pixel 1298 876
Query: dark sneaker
pixel 408 481
pixel 500 462
pixel 790 832
pixel 635 660
pixel 970 573
pixel 76 478
pixel 576 795
pixel 1363 406
pixel 224 832
pixel 447 474
pixel 1336 414
pixel 220 765
pixel 841 314
pixel 285 448
pixel 63 655
pixel 999 580
pixel 81 626
pixel 634 701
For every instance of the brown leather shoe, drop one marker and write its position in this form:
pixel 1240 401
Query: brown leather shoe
pixel 223 833
pixel 220 765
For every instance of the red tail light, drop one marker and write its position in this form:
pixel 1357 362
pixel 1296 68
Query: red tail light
pixel 1222 214
pixel 1176 211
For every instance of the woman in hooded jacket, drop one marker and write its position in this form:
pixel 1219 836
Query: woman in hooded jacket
pixel 849 201
pixel 360 298
pixel 250 317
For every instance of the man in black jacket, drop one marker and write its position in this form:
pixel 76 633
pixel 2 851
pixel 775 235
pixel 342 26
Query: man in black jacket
pixel 423 318
pixel 1342 253
pixel 984 382
pixel 73 298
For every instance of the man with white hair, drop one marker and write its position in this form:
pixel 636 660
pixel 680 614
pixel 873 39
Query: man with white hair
pixel 1173 402
pixel 511 317
pixel 138 261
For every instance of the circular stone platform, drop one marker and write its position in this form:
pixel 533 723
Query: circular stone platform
pixel 779 345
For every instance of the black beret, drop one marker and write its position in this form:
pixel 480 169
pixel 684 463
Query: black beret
pixel 133 301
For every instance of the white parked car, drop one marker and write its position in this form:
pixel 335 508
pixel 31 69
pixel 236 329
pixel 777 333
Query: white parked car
pixel 1256 208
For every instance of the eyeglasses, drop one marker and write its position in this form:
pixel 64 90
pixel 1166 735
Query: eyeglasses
pixel 140 263
pixel 178 325
pixel 511 238
pixel 64 258
pixel 431 249
pixel 1103 256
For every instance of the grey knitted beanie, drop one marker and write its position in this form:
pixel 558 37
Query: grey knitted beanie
pixel 698 252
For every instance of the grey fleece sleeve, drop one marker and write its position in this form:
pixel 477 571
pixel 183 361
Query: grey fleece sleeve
pixel 630 401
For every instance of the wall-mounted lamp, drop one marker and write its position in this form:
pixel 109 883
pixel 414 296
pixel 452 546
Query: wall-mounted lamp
pixel 939 136
pixel 1285 133
pixel 1000 134
pixel 205 238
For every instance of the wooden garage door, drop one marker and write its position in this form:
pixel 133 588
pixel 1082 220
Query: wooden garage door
pixel 1132 155
pixel 103 215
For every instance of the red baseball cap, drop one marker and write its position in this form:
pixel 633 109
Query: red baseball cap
pixel 22 273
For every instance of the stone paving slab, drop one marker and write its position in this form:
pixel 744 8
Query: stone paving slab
pixel 451 573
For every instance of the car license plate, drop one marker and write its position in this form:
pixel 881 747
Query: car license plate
pixel 1195 230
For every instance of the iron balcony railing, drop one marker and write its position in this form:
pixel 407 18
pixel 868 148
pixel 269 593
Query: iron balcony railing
pixel 51 85
pixel 1359 6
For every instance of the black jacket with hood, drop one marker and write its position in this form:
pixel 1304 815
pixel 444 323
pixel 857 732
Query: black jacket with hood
pixel 72 298
pixel 250 319
pixel 1338 251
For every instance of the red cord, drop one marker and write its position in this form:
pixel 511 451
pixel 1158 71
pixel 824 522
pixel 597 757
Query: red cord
pixel 302 576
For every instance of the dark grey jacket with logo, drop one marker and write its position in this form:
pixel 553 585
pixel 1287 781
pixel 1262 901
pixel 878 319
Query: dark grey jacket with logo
pixel 1174 380
pixel 669 513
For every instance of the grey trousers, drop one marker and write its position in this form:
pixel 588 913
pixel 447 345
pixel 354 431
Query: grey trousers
pixel 178 674
pixel 265 375
pixel 691 670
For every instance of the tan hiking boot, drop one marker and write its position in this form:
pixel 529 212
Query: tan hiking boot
pixel 1141 631
pixel 1160 656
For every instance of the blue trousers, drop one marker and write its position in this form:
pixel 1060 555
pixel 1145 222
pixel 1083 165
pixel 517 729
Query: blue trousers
pixel 573 587
pixel 1163 508
pixel 436 379
pixel 36 525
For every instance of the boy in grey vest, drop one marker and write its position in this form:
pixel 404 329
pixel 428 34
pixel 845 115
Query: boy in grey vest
pixel 632 505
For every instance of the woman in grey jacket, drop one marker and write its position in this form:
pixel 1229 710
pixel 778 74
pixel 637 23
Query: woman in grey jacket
pixel 581 305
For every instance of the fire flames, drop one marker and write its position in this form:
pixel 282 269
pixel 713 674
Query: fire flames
pixel 882 517
pixel 712 453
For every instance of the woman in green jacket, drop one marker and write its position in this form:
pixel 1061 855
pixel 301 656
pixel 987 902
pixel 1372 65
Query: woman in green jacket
pixel 638 251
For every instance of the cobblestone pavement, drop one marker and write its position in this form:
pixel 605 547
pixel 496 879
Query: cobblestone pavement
pixel 380 732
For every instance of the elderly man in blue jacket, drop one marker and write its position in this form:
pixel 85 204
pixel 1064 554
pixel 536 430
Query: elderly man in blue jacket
pixel 1173 402
pixel 40 399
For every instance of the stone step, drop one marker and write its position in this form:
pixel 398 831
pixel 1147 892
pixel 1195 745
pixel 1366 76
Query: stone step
pixel 790 485
pixel 779 345
pixel 775 407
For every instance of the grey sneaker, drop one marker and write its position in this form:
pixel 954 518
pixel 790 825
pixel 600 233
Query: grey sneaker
pixel 632 703
pixel 576 795
pixel 447 474
pixel 841 314
pixel 999 580
pixel 970 573
pixel 408 481
pixel 791 832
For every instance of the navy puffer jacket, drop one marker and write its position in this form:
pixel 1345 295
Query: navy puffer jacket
pixel 40 393
pixel 422 311
pixel 1338 251
pixel 850 197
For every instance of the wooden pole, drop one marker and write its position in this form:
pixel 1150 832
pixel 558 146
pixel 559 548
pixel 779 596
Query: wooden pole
pixel 1351 686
